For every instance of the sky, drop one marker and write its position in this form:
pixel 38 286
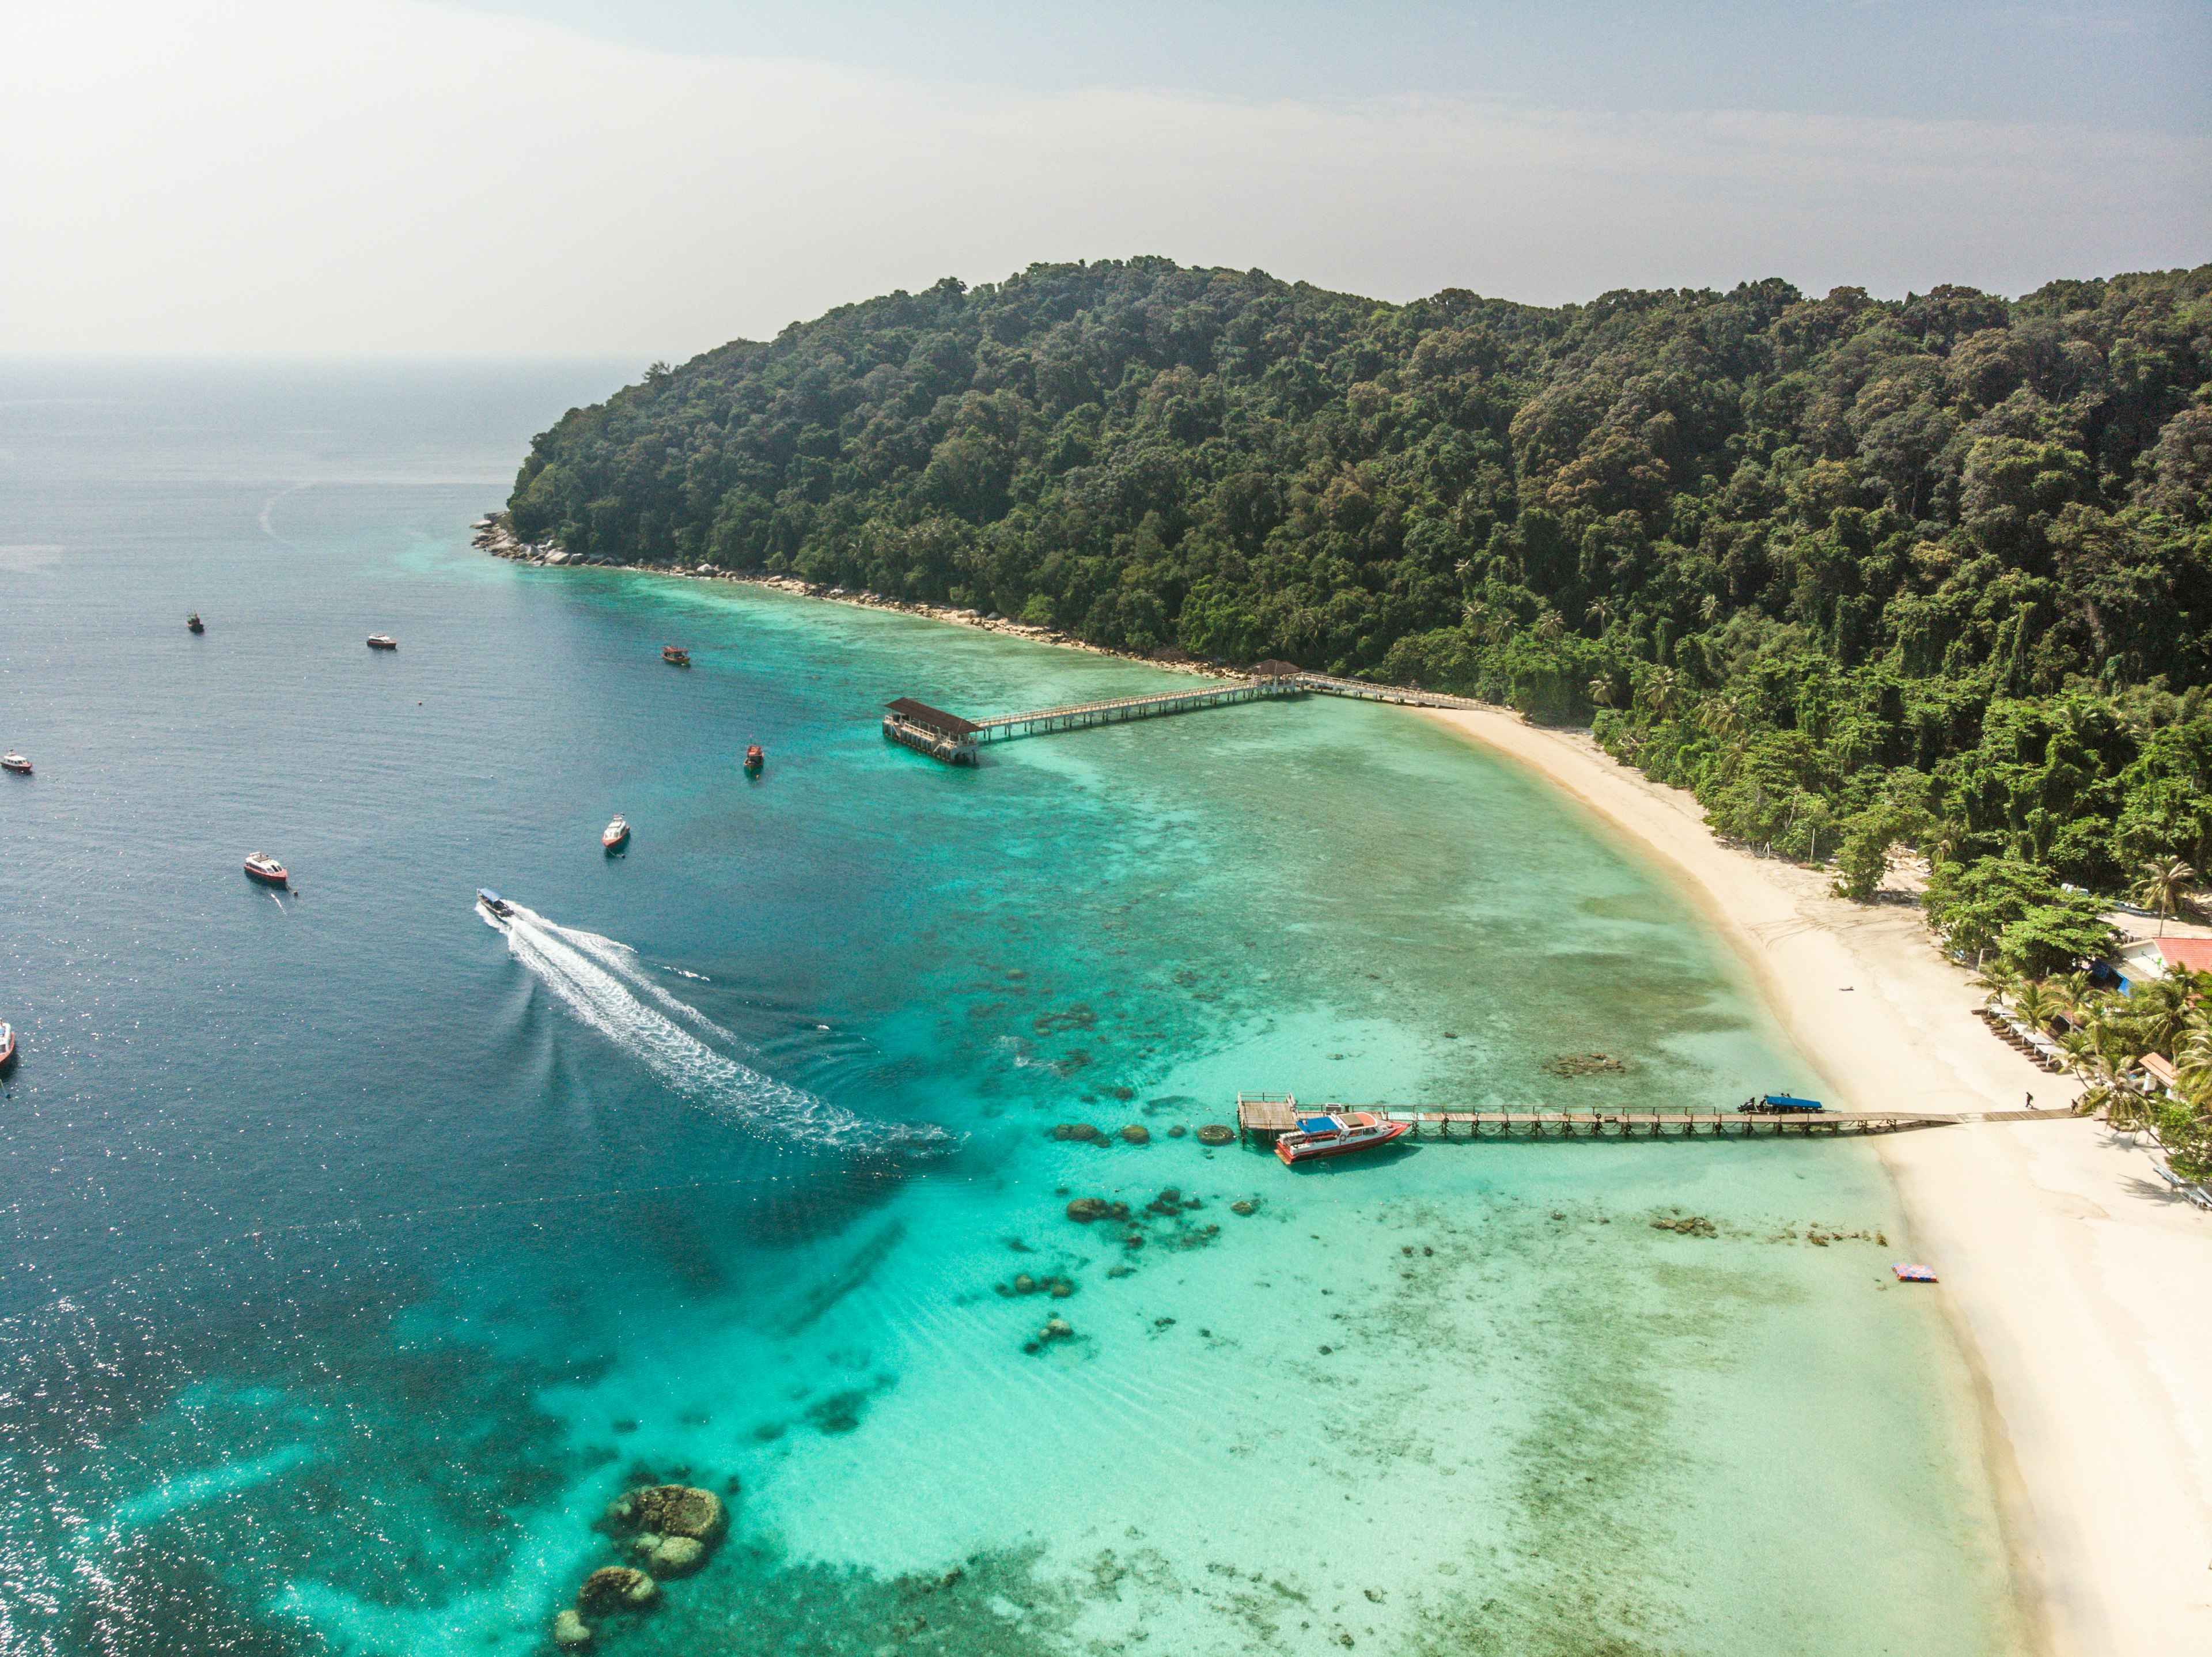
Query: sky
pixel 551 178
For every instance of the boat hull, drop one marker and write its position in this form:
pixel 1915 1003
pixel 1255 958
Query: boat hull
pixel 7 1051
pixel 1389 1134
pixel 264 878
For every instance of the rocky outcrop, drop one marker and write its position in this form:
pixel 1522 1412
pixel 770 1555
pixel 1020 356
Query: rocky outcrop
pixel 670 1510
pixel 1084 1209
pixel 1213 1133
pixel 1137 1134
pixel 1082 1132
pixel 670 1555
pixel 571 1632
pixel 617 1587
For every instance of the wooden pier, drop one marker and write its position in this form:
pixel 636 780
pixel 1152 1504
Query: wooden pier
pixel 1040 721
pixel 954 739
pixel 1261 1118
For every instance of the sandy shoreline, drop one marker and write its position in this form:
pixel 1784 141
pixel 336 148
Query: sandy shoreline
pixel 2080 1285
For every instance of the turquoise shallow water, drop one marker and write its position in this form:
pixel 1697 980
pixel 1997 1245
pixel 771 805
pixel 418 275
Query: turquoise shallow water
pixel 356 1252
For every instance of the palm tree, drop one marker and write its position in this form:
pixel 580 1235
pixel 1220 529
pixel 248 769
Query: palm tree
pixel 2036 1001
pixel 1603 609
pixel 1659 690
pixel 2164 882
pixel 1999 980
pixel 1709 608
pixel 1551 624
pixel 1601 691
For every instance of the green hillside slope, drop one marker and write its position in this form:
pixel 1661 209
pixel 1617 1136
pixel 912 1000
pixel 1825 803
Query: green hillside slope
pixel 1935 572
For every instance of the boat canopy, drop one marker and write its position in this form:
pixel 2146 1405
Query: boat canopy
pixel 1318 1124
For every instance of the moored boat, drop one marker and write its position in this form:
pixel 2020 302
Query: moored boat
pixel 492 904
pixel 7 1046
pixel 382 642
pixel 194 621
pixel 616 834
pixel 676 655
pixel 266 869
pixel 756 756
pixel 12 761
pixel 1779 1105
pixel 1337 1133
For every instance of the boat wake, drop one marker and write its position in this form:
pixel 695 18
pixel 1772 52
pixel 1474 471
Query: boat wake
pixel 600 981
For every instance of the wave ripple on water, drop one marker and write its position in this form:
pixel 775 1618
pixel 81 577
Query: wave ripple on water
pixel 598 980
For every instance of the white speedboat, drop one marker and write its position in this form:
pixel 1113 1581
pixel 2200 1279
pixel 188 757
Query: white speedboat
pixel 616 835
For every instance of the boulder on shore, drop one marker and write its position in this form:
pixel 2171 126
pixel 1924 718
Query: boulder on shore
pixel 617 1587
pixel 571 1632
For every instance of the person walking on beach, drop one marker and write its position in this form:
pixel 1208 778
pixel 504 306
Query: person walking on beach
pixel 2031 1103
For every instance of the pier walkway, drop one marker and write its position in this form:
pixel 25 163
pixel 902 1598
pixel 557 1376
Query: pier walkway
pixel 1039 721
pixel 954 738
pixel 1261 1116
pixel 1398 694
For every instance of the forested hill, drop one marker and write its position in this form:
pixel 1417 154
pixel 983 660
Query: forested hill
pixel 1947 556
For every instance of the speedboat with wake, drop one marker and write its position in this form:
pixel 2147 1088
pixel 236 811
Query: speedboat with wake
pixel 493 904
pixel 1337 1133
pixel 616 836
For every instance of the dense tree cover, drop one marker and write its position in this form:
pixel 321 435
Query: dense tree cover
pixel 2105 1037
pixel 1935 572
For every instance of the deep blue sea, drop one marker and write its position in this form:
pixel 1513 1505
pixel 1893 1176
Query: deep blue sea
pixel 354 1253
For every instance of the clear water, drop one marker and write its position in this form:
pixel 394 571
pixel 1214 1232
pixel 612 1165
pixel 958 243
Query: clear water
pixel 355 1252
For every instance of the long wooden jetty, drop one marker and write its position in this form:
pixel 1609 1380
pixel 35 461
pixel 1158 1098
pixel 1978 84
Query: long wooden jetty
pixel 1261 1118
pixel 954 738
pixel 1038 722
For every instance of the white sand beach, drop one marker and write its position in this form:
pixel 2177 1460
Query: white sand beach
pixel 2082 1288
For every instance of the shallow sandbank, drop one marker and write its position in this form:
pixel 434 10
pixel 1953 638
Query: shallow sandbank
pixel 2081 1285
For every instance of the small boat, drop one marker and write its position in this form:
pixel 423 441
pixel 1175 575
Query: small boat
pixel 1907 1273
pixel 676 655
pixel 616 835
pixel 1779 1105
pixel 194 621
pixel 492 904
pixel 7 1046
pixel 756 756
pixel 382 642
pixel 12 761
pixel 1338 1133
pixel 266 869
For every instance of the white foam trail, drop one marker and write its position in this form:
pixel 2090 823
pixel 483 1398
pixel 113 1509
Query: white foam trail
pixel 594 977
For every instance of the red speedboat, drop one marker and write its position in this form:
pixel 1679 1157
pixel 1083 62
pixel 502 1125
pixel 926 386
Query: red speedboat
pixel 7 1046
pixel 12 761
pixel 756 756
pixel 616 835
pixel 266 869
pixel 676 655
pixel 1338 1133
pixel 382 642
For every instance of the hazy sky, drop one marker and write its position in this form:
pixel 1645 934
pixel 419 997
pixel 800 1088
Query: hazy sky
pixel 561 177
